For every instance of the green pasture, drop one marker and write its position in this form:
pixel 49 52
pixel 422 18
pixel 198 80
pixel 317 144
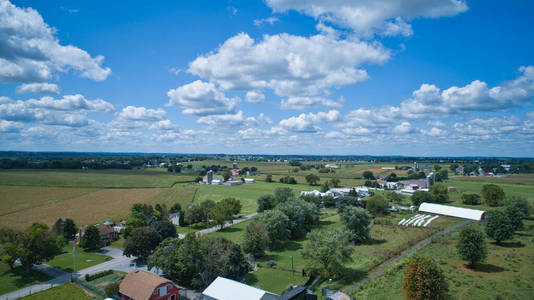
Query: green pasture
pixel 84 259
pixel 68 291
pixel 16 279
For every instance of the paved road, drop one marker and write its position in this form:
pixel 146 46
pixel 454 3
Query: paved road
pixel 384 267
pixel 215 228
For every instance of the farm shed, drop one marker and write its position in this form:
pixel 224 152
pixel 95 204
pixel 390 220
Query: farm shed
pixel 452 211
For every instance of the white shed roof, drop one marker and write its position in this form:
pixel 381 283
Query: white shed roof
pixel 226 289
pixel 453 211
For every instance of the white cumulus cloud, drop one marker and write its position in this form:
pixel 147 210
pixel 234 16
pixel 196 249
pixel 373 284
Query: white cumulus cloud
pixel 201 98
pixel 38 88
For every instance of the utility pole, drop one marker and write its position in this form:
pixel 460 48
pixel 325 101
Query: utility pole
pixel 292 270
pixel 74 253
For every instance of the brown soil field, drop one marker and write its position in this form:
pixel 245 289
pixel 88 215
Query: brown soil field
pixel 85 209
pixel 17 198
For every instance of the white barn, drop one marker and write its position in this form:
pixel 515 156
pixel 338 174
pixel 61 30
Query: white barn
pixel 226 289
pixel 452 211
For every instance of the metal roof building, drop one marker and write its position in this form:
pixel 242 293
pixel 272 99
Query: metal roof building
pixel 452 211
pixel 226 289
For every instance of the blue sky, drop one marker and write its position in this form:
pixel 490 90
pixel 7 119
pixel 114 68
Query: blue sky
pixel 403 77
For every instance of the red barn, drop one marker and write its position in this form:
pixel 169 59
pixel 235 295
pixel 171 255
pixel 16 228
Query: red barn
pixel 142 285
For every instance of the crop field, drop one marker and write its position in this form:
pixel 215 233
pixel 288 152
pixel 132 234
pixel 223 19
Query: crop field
pixel 144 178
pixel 508 272
pixel 18 198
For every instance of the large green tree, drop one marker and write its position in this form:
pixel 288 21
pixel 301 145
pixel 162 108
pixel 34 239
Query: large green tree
pixel 277 225
pixel 38 244
pixel 517 208
pixel 256 239
pixel 368 175
pixel 472 245
pixel 499 226
pixel 439 192
pixel 266 202
pixel 423 280
pixel 141 242
pixel 312 179
pixel 165 229
pixel 357 221
pixel 421 196
pixel 327 251
pixel 91 238
pixel 302 216
pixel 69 229
pixel 493 195
pixel 377 205
pixel 283 194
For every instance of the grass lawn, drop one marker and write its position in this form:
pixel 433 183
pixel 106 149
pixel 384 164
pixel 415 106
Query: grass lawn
pixel 67 291
pixel 508 272
pixel 139 178
pixel 119 243
pixel 84 259
pixel 17 279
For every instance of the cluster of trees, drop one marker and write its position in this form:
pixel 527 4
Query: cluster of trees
pixel 66 228
pixel 197 261
pixel 334 182
pixel 288 180
pixel 284 217
pixel 146 227
pixel 7 163
pixel 37 243
pixel 502 224
pixel 220 212
pixel 438 194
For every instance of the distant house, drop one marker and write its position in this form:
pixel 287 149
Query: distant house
pixel 234 182
pixel 107 234
pixel 174 219
pixel 142 285
pixel 415 184
pixel 250 180
pixel 314 193
pixel 388 168
pixel 332 166
pixel 226 289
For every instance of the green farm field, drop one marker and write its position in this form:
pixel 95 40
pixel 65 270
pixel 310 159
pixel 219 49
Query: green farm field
pixel 143 178
pixel 508 273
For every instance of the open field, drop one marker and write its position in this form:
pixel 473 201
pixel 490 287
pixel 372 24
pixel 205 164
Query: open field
pixel 67 291
pixel 143 178
pixel 84 259
pixel 508 272
pixel 17 279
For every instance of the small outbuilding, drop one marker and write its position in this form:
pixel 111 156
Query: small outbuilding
pixel 141 284
pixel 452 211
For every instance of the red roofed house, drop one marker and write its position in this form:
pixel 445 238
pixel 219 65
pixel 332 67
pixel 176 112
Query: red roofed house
pixel 142 285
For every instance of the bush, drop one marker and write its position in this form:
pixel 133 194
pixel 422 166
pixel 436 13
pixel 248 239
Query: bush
pixel 91 277
pixel 423 280
pixel 269 178
pixel 471 199
pixel 112 289
pixel 328 201
pixel 288 180
pixel 377 205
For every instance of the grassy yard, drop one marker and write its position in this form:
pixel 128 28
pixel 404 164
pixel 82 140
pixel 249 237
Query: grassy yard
pixel 17 279
pixel 142 178
pixel 68 291
pixel 84 259
pixel 508 272
pixel 388 241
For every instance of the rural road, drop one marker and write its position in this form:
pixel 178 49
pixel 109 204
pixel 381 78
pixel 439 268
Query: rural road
pixel 385 266
pixel 215 228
